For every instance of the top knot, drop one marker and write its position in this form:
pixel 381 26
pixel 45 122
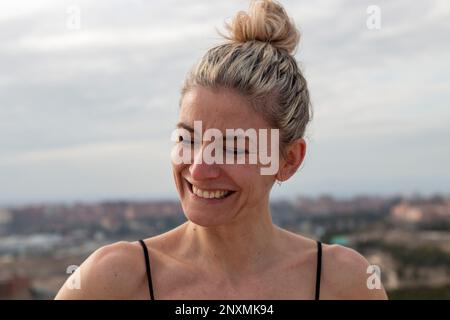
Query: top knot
pixel 266 21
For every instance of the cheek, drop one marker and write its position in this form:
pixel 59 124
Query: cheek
pixel 176 158
pixel 177 169
pixel 176 178
pixel 247 177
pixel 175 155
pixel 258 184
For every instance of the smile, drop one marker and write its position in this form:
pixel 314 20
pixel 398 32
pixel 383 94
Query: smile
pixel 213 194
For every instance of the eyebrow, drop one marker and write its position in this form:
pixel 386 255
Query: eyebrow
pixel 185 126
pixel 190 129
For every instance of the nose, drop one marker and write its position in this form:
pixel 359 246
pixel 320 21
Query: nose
pixel 200 170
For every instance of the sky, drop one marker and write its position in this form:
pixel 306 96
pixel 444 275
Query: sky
pixel 87 109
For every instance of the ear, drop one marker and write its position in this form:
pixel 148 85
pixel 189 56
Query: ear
pixel 295 154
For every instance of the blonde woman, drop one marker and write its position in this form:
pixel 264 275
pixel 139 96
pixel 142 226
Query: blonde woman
pixel 229 248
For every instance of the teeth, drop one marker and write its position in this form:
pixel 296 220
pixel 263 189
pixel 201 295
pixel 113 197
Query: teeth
pixel 218 194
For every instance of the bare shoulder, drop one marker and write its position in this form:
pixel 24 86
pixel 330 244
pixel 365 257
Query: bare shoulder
pixel 113 271
pixel 345 275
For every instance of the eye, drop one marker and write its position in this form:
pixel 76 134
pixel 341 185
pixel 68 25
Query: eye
pixel 236 151
pixel 184 141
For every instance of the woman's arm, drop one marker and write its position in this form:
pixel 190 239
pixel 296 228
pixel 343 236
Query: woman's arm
pixel 347 276
pixel 110 272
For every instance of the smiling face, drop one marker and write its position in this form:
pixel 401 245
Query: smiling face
pixel 218 194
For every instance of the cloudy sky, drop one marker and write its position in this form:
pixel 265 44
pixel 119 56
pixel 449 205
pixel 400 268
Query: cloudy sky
pixel 86 113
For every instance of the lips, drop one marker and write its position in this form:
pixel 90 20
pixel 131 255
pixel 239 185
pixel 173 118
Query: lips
pixel 209 194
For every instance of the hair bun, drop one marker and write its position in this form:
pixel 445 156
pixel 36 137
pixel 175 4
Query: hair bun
pixel 266 21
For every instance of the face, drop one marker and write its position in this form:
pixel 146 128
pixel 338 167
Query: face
pixel 218 194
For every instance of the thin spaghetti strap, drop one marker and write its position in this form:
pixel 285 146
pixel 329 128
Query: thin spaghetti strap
pixel 319 267
pixel 147 266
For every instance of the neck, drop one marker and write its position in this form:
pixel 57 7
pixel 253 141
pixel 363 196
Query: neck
pixel 236 248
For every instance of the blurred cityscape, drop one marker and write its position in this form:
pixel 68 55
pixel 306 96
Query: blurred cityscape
pixel 408 237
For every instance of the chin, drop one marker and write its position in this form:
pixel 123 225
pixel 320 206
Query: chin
pixel 204 218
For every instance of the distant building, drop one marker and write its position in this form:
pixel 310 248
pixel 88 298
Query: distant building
pixel 5 219
pixel 5 216
pixel 406 212
pixel 14 286
pixel 422 210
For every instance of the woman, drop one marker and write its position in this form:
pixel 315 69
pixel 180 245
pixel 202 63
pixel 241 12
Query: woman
pixel 229 248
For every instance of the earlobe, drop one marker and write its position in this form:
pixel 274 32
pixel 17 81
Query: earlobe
pixel 281 174
pixel 278 177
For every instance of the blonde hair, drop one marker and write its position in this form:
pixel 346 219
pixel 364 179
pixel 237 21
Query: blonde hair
pixel 256 60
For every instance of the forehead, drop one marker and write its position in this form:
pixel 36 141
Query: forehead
pixel 221 109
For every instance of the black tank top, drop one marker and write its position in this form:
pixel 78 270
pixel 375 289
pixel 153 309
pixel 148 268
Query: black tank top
pixel 149 274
